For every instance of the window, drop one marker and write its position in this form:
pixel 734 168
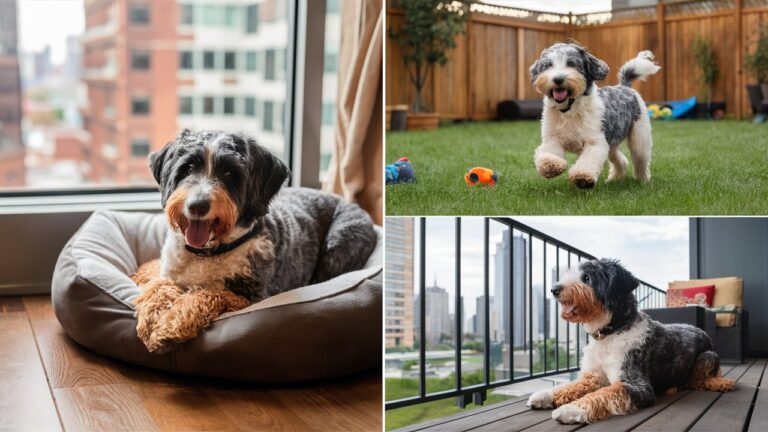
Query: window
pixel 229 60
pixel 140 105
pixel 330 62
pixel 186 60
pixel 327 117
pixel 269 65
pixel 187 14
pixel 250 61
pixel 139 13
pixel 252 19
pixel 250 106
pixel 233 17
pixel 213 15
pixel 140 147
pixel 330 84
pixel 209 60
pixel 229 105
pixel 140 59
pixel 208 105
pixel 267 124
pixel 186 105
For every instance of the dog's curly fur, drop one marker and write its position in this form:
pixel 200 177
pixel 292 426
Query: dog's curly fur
pixel 630 358
pixel 217 188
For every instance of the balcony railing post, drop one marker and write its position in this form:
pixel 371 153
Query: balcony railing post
pixel 486 288
pixel 545 332
pixel 557 310
pixel 459 300
pixel 529 302
pixel 423 310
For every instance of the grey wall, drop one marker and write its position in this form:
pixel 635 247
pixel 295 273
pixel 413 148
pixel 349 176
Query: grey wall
pixel 736 247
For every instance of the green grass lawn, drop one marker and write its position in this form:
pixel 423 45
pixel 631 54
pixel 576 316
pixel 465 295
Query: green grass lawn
pixel 698 168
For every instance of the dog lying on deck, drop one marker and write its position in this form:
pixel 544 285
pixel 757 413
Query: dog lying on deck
pixel 630 358
pixel 235 238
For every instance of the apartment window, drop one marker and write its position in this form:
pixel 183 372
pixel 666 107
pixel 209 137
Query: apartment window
pixel 187 14
pixel 327 116
pixel 209 105
pixel 186 60
pixel 233 17
pixel 209 60
pixel 139 13
pixel 140 105
pixel 269 65
pixel 186 105
pixel 330 62
pixel 268 121
pixel 250 106
pixel 140 147
pixel 213 15
pixel 140 59
pixel 252 19
pixel 230 60
pixel 250 61
pixel 229 105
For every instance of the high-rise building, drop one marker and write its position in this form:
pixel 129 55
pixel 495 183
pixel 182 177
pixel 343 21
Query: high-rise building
pixel 12 171
pixel 438 323
pixel 480 316
pixel 502 280
pixel 399 283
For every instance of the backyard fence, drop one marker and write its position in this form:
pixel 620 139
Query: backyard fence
pixel 491 60
pixel 516 344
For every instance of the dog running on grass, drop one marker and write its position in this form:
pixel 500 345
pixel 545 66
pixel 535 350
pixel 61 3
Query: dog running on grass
pixel 233 239
pixel 630 358
pixel 581 118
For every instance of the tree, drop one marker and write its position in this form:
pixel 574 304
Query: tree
pixel 757 62
pixel 427 33
pixel 705 60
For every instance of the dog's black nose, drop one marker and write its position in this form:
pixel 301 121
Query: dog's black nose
pixel 558 80
pixel 556 290
pixel 199 207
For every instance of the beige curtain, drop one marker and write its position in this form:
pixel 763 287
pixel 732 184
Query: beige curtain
pixel 356 166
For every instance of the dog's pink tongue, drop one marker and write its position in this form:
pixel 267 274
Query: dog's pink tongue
pixel 560 94
pixel 197 233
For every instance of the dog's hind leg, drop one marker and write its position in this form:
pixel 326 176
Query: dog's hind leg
pixel 564 394
pixel 707 375
pixel 348 244
pixel 641 145
pixel 618 164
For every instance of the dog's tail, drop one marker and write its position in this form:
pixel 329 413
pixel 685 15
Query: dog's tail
pixel 640 67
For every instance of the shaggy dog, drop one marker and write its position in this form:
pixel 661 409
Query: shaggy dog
pixel 229 243
pixel 630 358
pixel 581 118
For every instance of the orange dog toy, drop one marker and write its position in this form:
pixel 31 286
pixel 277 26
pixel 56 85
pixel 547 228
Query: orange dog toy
pixel 481 175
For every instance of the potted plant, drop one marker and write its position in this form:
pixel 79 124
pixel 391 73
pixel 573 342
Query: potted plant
pixel 708 72
pixel 428 32
pixel 757 65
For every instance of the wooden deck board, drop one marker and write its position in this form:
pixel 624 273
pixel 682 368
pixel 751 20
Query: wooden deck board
pixel 468 413
pixel 476 419
pixel 759 420
pixel 98 393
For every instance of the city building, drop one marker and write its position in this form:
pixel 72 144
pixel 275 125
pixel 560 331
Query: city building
pixel 502 279
pixel 12 152
pixel 438 322
pixel 399 328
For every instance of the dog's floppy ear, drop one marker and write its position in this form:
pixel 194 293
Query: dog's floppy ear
pixel 536 68
pixel 597 69
pixel 621 278
pixel 267 175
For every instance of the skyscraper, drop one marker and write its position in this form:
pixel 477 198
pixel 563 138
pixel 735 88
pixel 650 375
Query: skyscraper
pixel 438 323
pixel 399 282
pixel 12 171
pixel 502 279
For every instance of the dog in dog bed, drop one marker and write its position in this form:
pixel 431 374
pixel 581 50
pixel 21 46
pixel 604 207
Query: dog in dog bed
pixel 630 358
pixel 235 237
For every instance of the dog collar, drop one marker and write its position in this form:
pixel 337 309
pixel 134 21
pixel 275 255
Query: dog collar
pixel 226 247
pixel 602 333
pixel 570 104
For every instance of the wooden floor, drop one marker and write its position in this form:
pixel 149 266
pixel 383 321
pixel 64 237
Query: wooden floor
pixel 48 382
pixel 744 409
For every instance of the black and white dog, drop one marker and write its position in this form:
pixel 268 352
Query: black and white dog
pixel 630 358
pixel 231 229
pixel 581 118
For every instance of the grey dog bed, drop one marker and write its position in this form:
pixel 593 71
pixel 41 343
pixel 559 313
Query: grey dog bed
pixel 314 332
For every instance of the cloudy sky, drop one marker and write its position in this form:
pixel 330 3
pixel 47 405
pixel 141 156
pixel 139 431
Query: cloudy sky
pixel 558 6
pixel 49 22
pixel 654 249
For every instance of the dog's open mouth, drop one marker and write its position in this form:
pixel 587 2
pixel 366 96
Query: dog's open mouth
pixel 560 94
pixel 568 311
pixel 198 232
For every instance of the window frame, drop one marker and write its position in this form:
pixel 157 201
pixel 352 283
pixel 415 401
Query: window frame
pixel 132 6
pixel 23 210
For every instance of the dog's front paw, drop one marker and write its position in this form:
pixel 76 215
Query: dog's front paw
pixel 582 179
pixel 550 166
pixel 570 414
pixel 542 399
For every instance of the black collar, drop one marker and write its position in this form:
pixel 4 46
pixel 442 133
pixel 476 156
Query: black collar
pixel 226 247
pixel 603 332
pixel 570 104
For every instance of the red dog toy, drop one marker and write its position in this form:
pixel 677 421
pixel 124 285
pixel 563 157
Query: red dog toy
pixel 481 175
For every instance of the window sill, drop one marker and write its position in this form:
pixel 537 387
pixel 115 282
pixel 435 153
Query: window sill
pixel 69 203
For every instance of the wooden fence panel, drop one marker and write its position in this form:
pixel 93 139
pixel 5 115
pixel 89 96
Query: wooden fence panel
pixel 449 85
pixel 750 22
pixel 494 75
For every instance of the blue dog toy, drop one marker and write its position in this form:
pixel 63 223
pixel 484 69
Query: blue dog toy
pixel 400 172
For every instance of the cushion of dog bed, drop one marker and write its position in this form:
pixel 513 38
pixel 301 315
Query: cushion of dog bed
pixel 319 331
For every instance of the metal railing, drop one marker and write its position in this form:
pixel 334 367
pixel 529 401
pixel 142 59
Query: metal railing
pixel 647 295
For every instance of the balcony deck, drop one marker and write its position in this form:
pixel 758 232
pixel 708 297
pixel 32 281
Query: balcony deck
pixel 744 409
